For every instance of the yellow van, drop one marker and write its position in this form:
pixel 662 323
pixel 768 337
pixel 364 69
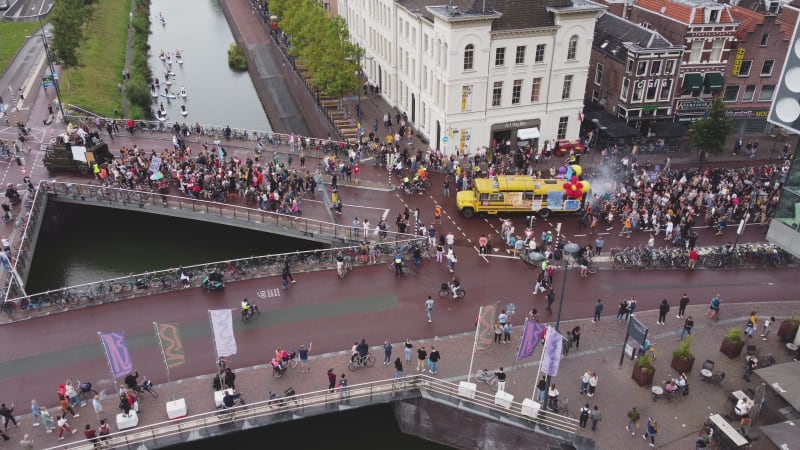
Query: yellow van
pixel 516 193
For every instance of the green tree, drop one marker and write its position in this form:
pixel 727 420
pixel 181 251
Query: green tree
pixel 68 18
pixel 709 134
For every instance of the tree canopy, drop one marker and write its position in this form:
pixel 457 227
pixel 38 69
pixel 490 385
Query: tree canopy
pixel 709 134
pixel 68 18
pixel 321 44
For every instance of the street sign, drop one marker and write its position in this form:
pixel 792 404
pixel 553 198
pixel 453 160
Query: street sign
pixel 637 330
pixel 445 139
pixel 48 81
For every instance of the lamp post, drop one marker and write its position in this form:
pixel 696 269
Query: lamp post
pixel 52 68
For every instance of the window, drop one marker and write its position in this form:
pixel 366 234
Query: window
pixel 500 57
pixel 572 48
pixel 565 91
pixel 731 94
pixel 764 39
pixel 774 7
pixel 744 69
pixel 669 66
pixel 652 89
pixel 641 69
pixel 666 90
pixel 766 69
pixel 629 66
pixel 520 58
pixel 716 50
pixel 469 56
pixel 767 91
pixel 714 16
pixel 626 84
pixel 562 128
pixel 655 67
pixel 598 74
pixel 749 93
pixel 516 92
pixel 539 56
pixel 637 91
pixel 536 89
pixel 696 52
pixel 497 93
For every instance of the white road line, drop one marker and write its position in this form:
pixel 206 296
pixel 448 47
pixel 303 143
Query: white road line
pixel 479 253
pixel 503 256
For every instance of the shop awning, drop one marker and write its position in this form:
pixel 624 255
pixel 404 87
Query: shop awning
pixel 785 380
pixel 692 82
pixel 669 129
pixel 528 133
pixel 783 434
pixel 714 81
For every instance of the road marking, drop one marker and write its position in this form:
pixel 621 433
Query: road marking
pixel 269 293
pixel 479 253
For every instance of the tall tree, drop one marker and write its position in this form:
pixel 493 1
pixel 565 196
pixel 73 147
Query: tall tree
pixel 709 134
pixel 68 18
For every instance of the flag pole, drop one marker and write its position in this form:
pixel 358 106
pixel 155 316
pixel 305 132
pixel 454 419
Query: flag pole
pixel 108 360
pixel 539 369
pixel 161 346
pixel 474 343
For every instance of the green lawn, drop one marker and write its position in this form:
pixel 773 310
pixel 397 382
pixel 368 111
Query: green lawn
pixel 13 35
pixel 93 86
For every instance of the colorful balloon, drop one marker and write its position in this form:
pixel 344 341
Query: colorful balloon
pixel 577 169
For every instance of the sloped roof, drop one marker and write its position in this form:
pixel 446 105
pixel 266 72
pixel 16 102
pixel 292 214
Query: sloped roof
pixel 615 32
pixel 685 11
pixel 748 20
pixel 516 14
pixel 787 19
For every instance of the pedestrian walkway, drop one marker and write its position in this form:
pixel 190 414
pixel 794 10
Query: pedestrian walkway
pixel 599 350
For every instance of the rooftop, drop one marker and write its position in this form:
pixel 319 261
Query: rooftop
pixel 686 11
pixel 513 14
pixel 614 35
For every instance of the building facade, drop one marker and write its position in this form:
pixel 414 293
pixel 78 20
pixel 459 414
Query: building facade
pixel 475 71
pixel 633 72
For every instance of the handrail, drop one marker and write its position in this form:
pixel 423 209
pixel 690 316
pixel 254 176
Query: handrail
pixel 18 245
pixel 413 385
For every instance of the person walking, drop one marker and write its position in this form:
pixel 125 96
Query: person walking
pixel 576 336
pixel 592 383
pixel 36 413
pixel 584 415
pixel 551 297
pixel 302 352
pixel 429 303
pixel 47 420
pixel 688 324
pixel 682 303
pixel 767 324
pixel 97 405
pixel 596 417
pixel 407 350
pixel 8 415
pixel 331 380
pixel 287 272
pixel 433 360
pixel 63 426
pixel 451 261
pixel 230 379
pixel 398 369
pixel 422 355
pixel 498 333
pixel 501 380
pixel 598 309
pixel 344 391
pixel 585 382
pixel 633 421
pixel 387 353
pixel 507 333
pixel 663 309
pixel 652 430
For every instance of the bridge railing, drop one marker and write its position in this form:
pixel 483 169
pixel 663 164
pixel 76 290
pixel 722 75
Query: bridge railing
pixel 21 243
pixel 270 411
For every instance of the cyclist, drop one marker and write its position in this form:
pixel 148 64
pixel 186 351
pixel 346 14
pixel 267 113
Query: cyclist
pixel 398 264
pixel 713 308
pixel 248 309
pixel 455 285
pixel 229 400
pixel 340 263
pixel 363 351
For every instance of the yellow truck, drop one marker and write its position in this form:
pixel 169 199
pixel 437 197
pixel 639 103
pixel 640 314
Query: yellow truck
pixel 516 193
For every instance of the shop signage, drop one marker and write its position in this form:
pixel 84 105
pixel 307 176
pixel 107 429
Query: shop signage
pixel 746 114
pixel 693 105
pixel 737 62
pixel 519 124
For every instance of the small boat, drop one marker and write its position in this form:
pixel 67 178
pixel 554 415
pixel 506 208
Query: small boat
pixel 154 94
pixel 162 19
pixel 162 56
pixel 179 59
pixel 161 116
pixel 184 113
pixel 168 82
pixel 170 74
pixel 183 92
pixel 169 95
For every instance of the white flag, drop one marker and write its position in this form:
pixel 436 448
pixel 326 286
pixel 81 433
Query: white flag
pixel 552 352
pixel 222 324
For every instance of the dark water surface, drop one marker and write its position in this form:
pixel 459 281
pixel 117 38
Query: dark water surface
pixel 93 243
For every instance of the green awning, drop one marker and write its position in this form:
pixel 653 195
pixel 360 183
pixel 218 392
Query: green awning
pixel 692 82
pixel 714 81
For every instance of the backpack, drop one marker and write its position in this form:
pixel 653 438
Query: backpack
pixel 584 414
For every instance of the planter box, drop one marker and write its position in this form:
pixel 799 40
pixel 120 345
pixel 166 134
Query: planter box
pixel 643 375
pixel 682 365
pixel 787 331
pixel 731 349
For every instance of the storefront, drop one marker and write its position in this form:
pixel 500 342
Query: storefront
pixel 690 110
pixel 749 121
pixel 508 136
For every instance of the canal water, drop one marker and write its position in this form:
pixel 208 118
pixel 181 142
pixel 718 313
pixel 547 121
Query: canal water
pixel 92 243
pixel 216 95
pixel 367 428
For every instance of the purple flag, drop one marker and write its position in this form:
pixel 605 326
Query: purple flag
pixel 552 353
pixel 118 355
pixel 531 336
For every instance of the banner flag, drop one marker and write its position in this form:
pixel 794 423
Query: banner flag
pixel 119 358
pixel 222 325
pixel 552 352
pixel 171 345
pixel 486 321
pixel 531 336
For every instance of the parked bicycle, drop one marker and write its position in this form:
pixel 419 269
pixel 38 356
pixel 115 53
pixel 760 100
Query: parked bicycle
pixel 484 376
pixel 359 362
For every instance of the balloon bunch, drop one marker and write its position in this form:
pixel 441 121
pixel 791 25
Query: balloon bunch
pixel 575 188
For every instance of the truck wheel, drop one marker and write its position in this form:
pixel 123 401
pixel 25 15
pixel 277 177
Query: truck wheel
pixel 84 170
pixel 467 212
pixel 48 167
pixel 544 213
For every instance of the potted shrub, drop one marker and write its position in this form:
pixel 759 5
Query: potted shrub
pixel 788 329
pixel 682 357
pixel 643 370
pixel 732 343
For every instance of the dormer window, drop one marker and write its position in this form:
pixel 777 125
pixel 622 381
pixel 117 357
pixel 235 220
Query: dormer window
pixel 773 7
pixel 712 15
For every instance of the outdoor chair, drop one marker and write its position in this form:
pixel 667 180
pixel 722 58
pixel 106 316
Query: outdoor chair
pixel 752 350
pixel 717 378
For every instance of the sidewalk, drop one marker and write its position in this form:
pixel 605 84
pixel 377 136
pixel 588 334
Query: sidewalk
pixel 680 419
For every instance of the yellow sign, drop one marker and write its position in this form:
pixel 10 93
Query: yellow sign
pixel 466 98
pixel 737 62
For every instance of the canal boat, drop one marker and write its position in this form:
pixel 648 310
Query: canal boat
pixel 184 112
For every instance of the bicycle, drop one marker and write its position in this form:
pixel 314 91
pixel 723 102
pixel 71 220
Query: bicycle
pixel 359 362
pixel 484 376
pixel 147 386
pixel 228 412
pixel 562 409
pixel 86 393
pixel 345 266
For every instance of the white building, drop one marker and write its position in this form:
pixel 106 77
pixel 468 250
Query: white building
pixel 473 71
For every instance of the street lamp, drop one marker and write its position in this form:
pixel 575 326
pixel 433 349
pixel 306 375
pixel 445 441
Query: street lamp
pixel 52 68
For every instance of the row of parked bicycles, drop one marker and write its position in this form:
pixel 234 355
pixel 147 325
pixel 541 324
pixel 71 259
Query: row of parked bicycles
pixel 728 255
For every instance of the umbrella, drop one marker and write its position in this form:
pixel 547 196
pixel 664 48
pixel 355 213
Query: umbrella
pixel 156 176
